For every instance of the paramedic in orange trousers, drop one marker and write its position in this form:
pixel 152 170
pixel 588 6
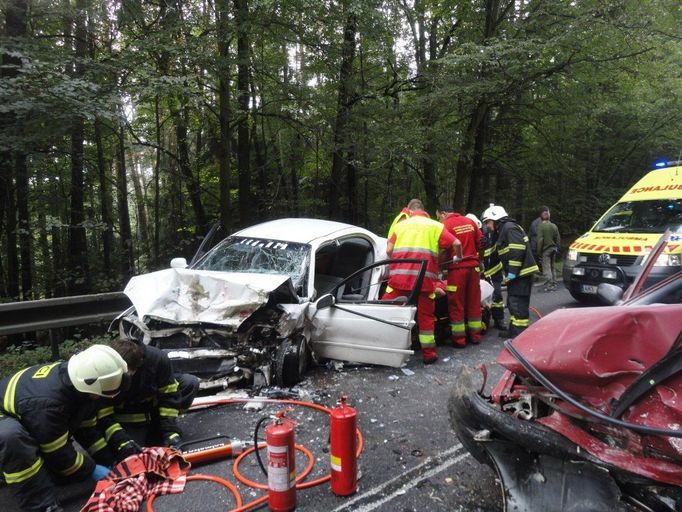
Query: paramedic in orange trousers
pixel 463 279
pixel 419 237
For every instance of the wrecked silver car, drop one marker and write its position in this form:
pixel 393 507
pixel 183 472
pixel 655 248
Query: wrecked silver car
pixel 266 299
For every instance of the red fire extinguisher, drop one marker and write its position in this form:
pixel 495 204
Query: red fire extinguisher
pixel 344 464
pixel 279 437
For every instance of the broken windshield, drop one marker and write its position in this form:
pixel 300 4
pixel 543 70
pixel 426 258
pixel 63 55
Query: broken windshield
pixel 259 256
pixel 654 216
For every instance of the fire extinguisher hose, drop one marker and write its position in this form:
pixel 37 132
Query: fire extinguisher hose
pixel 263 499
pixel 256 485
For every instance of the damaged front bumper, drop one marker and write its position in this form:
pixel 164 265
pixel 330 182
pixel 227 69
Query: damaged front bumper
pixel 538 468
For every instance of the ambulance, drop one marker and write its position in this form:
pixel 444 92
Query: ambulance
pixel 613 250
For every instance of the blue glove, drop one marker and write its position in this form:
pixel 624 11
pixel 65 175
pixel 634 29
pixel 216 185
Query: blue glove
pixel 511 276
pixel 99 472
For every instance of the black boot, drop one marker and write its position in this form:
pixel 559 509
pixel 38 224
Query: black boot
pixel 55 507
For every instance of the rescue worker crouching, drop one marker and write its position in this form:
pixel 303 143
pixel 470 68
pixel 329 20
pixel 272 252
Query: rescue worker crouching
pixel 42 407
pixel 513 249
pixel 419 237
pixel 146 414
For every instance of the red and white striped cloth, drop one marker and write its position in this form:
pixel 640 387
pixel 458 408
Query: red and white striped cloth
pixel 155 470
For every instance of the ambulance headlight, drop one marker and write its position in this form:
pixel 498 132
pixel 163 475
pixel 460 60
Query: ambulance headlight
pixel 668 260
pixel 610 274
pixel 572 255
pixel 664 260
pixel 578 271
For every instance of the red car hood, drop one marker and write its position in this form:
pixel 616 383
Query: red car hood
pixel 594 354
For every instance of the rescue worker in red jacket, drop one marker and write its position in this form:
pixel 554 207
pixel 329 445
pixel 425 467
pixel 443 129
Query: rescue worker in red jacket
pixel 419 237
pixel 42 407
pixel 146 414
pixel 516 256
pixel 463 279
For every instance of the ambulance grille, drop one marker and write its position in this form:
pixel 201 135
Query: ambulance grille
pixel 621 259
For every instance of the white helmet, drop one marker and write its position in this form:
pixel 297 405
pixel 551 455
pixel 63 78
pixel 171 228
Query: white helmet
pixel 494 213
pixel 474 218
pixel 98 369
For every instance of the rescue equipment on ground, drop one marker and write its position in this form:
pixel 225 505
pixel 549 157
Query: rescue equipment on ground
pixel 299 482
pixel 222 448
pixel 344 464
pixel 279 438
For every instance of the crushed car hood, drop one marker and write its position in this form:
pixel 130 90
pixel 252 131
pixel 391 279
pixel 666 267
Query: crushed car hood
pixel 596 353
pixel 185 296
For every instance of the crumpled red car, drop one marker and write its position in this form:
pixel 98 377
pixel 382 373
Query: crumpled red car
pixel 588 414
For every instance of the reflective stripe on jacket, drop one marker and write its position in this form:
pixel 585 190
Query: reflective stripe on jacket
pixel 513 248
pixel 43 399
pixel 415 237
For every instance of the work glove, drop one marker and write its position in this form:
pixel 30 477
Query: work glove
pixel 127 449
pixel 99 472
pixel 172 440
pixel 510 276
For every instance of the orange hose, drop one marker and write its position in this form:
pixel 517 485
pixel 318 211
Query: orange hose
pixel 535 310
pixel 256 485
pixel 211 478
pixel 244 480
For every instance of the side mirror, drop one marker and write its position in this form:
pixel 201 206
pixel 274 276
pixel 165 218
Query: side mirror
pixel 326 301
pixel 178 263
pixel 609 294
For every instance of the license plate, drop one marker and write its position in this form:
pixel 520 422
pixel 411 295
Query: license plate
pixel 588 288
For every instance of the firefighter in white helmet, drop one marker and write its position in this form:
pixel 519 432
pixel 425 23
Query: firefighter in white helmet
pixel 513 249
pixel 41 408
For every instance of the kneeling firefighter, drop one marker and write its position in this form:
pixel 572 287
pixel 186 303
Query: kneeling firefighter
pixel 147 412
pixel 42 407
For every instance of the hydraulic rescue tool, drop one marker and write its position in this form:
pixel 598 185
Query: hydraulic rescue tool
pixel 222 448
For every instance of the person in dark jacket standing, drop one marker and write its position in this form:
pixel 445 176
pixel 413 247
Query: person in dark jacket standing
pixel 513 249
pixel 492 271
pixel 147 412
pixel 533 230
pixel 42 407
pixel 548 245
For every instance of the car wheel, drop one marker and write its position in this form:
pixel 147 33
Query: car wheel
pixel 292 361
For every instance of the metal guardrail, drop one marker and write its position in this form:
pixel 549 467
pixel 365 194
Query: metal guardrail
pixel 48 314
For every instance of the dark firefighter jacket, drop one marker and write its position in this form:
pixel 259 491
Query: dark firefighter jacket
pixel 491 260
pixel 153 390
pixel 43 399
pixel 513 248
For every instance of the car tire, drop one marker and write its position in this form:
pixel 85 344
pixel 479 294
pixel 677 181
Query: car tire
pixel 291 362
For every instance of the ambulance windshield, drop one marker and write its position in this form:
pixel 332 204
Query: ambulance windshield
pixel 652 216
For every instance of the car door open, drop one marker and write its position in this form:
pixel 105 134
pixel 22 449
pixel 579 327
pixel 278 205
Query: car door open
pixel 356 325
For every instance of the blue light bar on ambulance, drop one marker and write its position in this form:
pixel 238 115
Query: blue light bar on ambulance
pixel 661 164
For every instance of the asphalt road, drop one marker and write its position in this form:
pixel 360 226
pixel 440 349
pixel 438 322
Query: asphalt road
pixel 411 461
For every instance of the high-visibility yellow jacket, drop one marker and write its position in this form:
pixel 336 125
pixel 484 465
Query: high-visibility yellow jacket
pixel 417 237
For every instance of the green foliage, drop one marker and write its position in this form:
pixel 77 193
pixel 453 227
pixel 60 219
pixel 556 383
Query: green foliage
pixel 578 99
pixel 16 358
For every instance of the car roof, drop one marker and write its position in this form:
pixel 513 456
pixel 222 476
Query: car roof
pixel 301 230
